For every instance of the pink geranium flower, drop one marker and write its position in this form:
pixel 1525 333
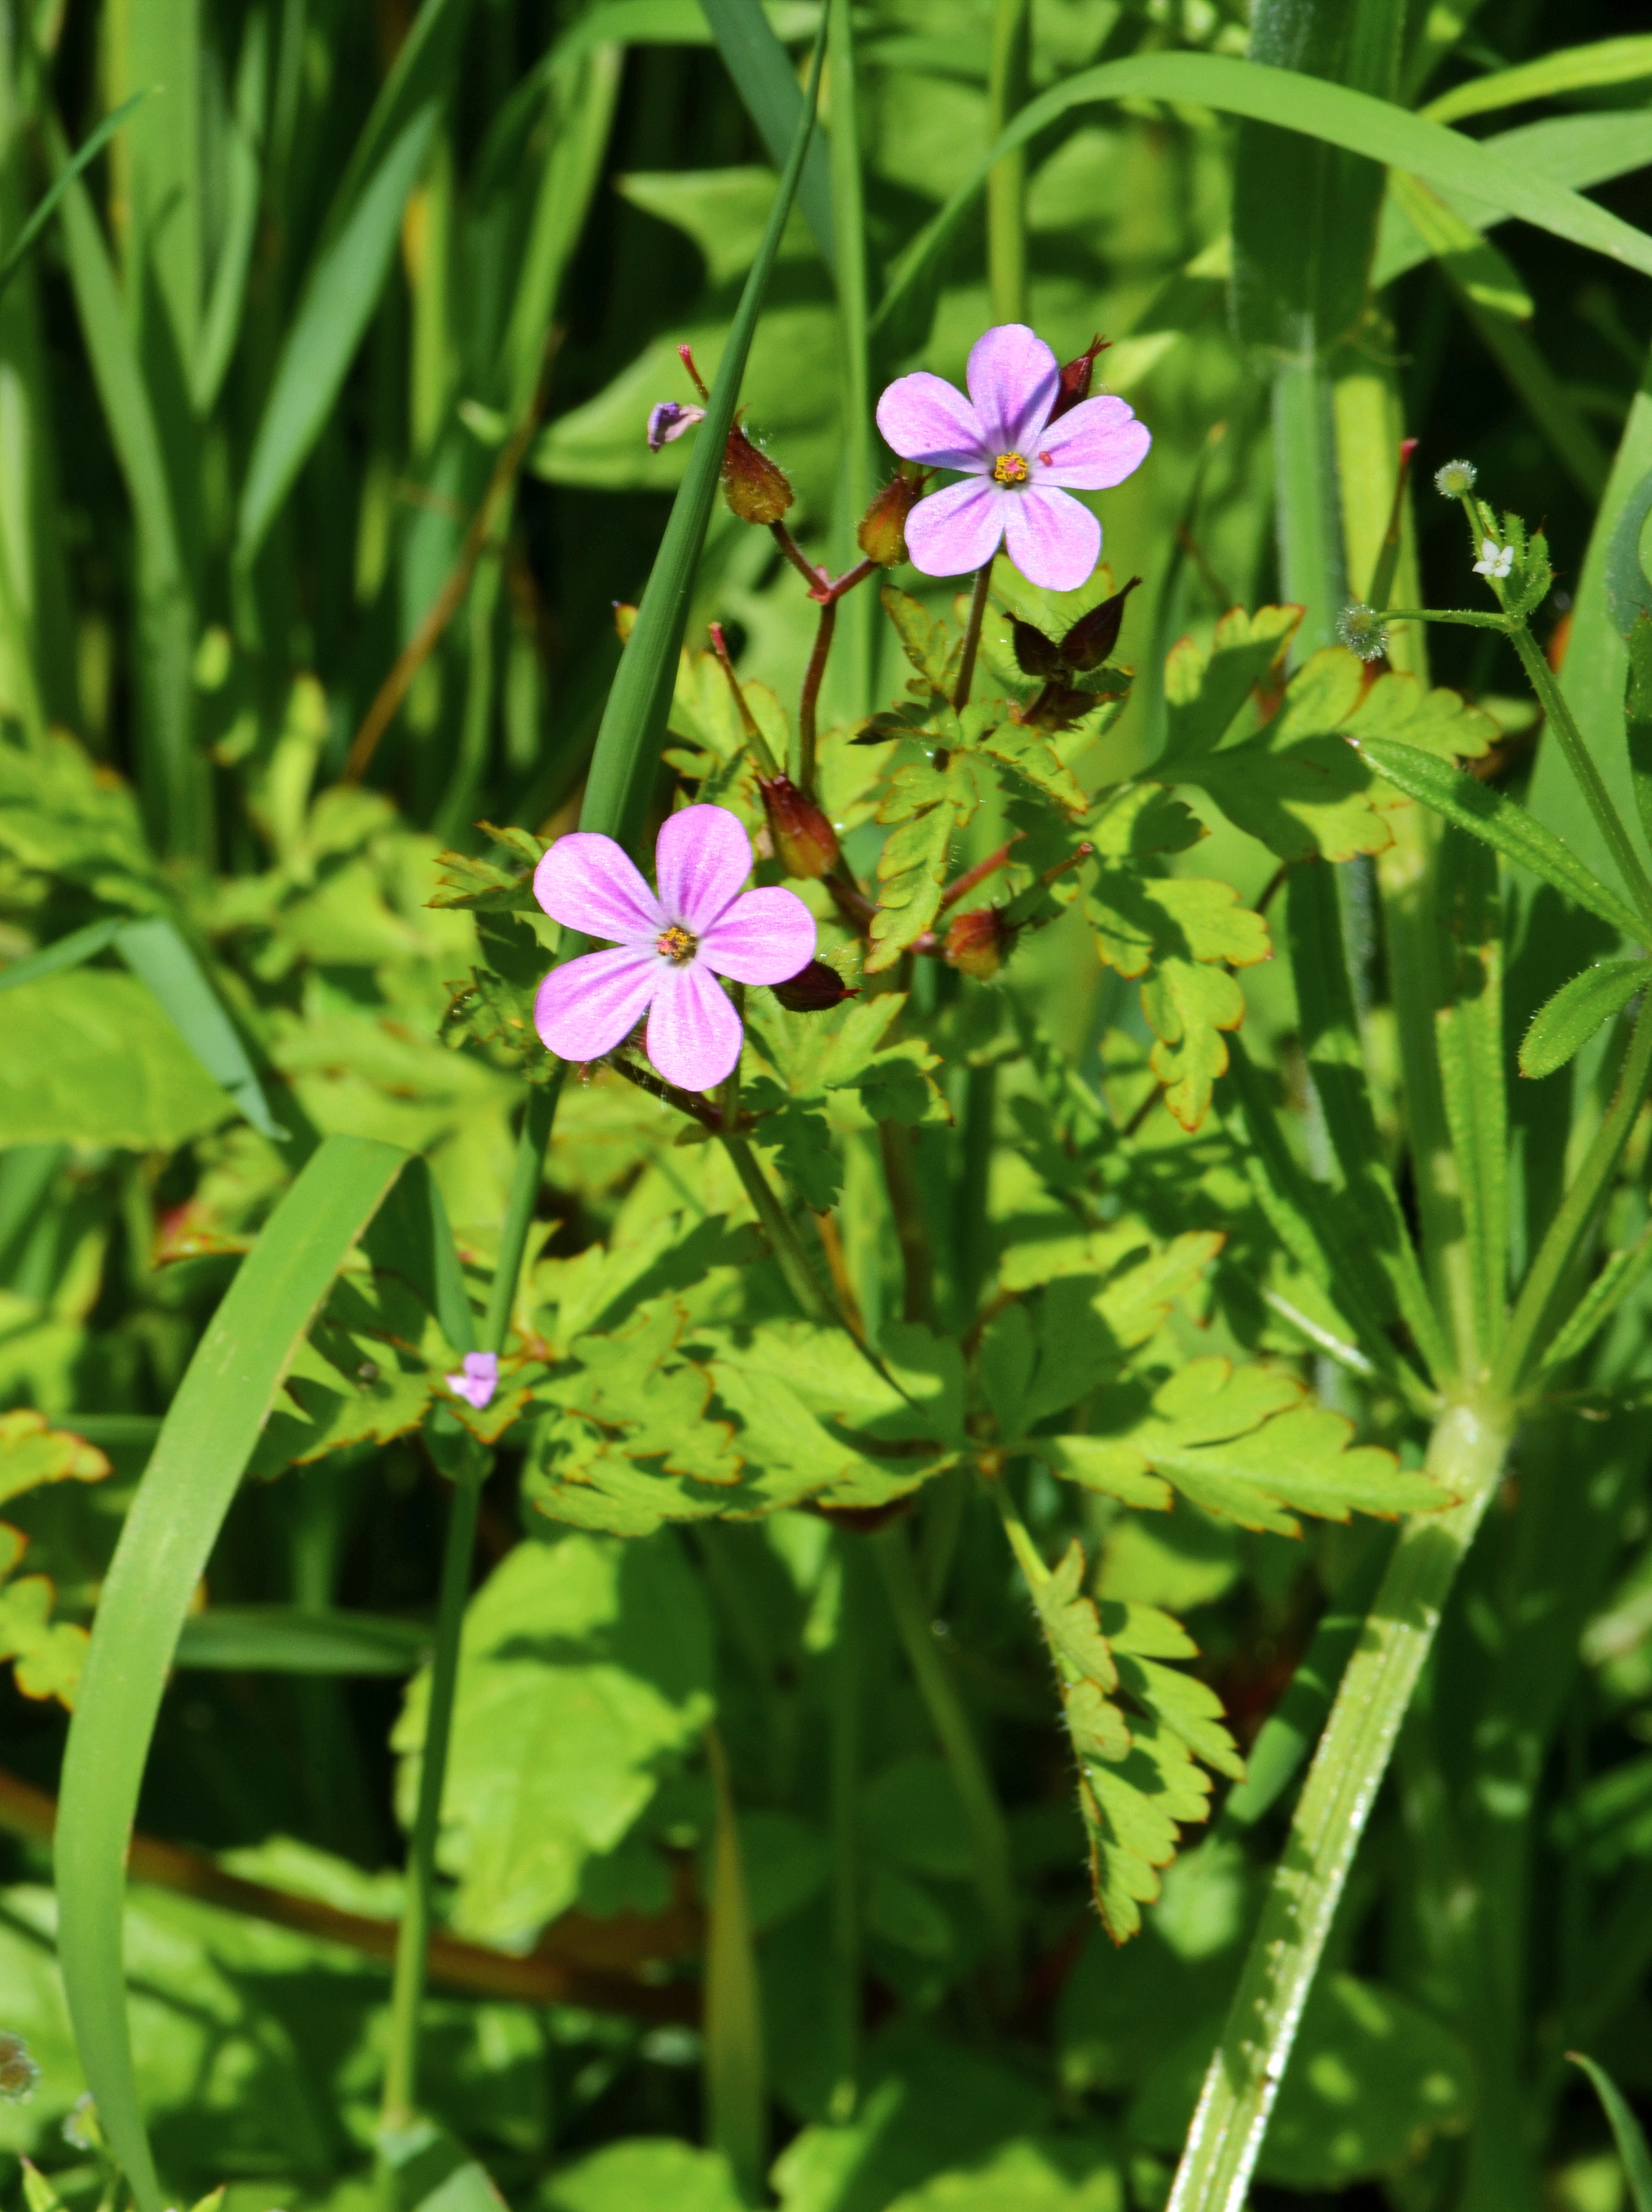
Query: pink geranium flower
pixel 477 1380
pixel 1016 461
pixel 670 950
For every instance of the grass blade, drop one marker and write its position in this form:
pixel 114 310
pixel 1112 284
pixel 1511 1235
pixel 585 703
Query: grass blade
pixel 762 76
pixel 71 951
pixel 634 721
pixel 1375 128
pixel 154 951
pixel 221 324
pixel 284 1639
pixel 1626 2130
pixel 192 1475
pixel 1486 813
pixel 339 297
pixel 88 152
pixel 1573 68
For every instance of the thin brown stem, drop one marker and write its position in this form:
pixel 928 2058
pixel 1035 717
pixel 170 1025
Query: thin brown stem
pixel 815 578
pixel 450 597
pixel 709 1117
pixel 803 773
pixel 766 762
pixel 972 638
pixel 979 873
pixel 837 1266
pixel 851 577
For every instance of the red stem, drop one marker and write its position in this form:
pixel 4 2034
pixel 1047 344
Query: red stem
pixel 979 873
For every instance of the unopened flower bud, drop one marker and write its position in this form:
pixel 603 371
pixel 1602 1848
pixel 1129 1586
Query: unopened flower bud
pixel 756 489
pixel 881 536
pixel 1456 480
pixel 669 420
pixel 625 619
pixel 1076 375
pixel 1094 635
pixel 804 841
pixel 1034 653
pixel 813 990
pixel 685 355
pixel 978 942
pixel 1363 630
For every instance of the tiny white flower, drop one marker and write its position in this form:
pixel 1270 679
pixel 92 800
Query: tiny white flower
pixel 1495 560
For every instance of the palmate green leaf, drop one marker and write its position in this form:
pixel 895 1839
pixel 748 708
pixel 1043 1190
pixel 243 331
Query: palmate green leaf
pixel 1375 128
pixel 929 805
pixel 92 1060
pixel 1486 813
pixel 192 1474
pixel 1204 691
pixel 1243 1443
pixel 1564 1023
pixel 585 1673
pixel 1188 1007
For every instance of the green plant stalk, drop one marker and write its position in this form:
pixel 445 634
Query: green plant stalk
pixel 736 2098
pixel 1304 480
pixel 1560 719
pixel 989 1838
pixel 975 1168
pixel 1537 1309
pixel 1006 186
pixel 852 681
pixel 966 682
pixel 801 1278
pixel 413 1936
pixel 1466 1456
pixel 845 1806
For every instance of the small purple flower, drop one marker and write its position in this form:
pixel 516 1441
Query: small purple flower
pixel 669 420
pixel 669 951
pixel 1014 460
pixel 477 1380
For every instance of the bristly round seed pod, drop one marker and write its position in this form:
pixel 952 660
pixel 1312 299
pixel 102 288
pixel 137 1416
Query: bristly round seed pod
pixel 1076 375
pixel 978 942
pixel 1456 480
pixel 881 536
pixel 813 990
pixel 756 490
pixel 1094 635
pixel 804 841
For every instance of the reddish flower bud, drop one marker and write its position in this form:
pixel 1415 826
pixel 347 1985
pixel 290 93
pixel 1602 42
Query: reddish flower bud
pixel 804 841
pixel 1076 375
pixel 978 942
pixel 756 489
pixel 1034 653
pixel 881 536
pixel 685 355
pixel 813 990
pixel 1094 635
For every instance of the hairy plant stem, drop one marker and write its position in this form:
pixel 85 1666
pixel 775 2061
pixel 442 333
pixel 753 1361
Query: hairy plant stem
pixel 767 764
pixel 966 682
pixel 413 1936
pixel 1466 1456
pixel 989 1838
pixel 803 765
pixel 795 554
pixel 1536 1309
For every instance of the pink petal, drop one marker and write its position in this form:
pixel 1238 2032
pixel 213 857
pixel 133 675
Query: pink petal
pixel 701 860
pixel 477 1380
pixel 1052 539
pixel 958 528
pixel 925 419
pixel 1013 381
pixel 1094 446
pixel 585 1007
pixel 586 881
pixel 767 936
pixel 694 1032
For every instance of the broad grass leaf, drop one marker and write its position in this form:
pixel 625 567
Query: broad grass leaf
pixel 1627 2131
pixel 1562 1027
pixel 586 1674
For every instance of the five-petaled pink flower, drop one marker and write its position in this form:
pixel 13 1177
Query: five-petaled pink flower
pixel 1016 461
pixel 668 950
pixel 477 1380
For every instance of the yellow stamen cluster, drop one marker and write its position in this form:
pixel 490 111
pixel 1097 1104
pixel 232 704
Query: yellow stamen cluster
pixel 675 944
pixel 1010 469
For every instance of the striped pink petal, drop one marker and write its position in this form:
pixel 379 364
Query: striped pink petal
pixel 694 1032
pixel 1094 446
pixel 701 860
pixel 1013 382
pixel 766 937
pixel 588 1006
pixel 587 882
pixel 1053 540
pixel 959 528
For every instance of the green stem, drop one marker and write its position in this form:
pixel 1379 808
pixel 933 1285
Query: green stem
pixel 735 2097
pixel 972 638
pixel 801 1278
pixel 1305 495
pixel 853 681
pixel 1561 720
pixel 845 1787
pixel 1536 1309
pixel 413 1937
pixel 1465 1455
pixel 980 1102
pixel 912 1232
pixel 989 1838
pixel 1006 183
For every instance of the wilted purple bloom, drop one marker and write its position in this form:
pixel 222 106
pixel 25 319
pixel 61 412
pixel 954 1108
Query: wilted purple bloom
pixel 670 420
pixel 670 950
pixel 477 1379
pixel 1015 458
